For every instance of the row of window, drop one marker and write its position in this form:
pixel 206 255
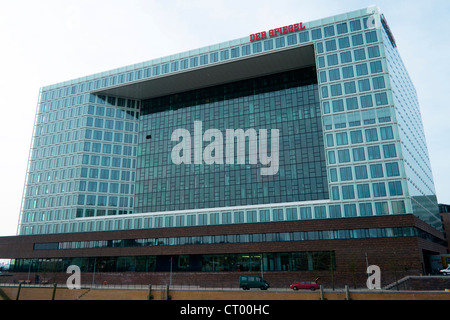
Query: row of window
pixel 106 148
pixel 355 55
pixel 358 154
pixel 105 201
pixel 230 262
pixel 357 136
pixel 372 233
pixel 354 40
pixel 348 72
pixel 363 191
pixel 214 218
pixel 221 55
pixel 353 103
pixel 361 172
pixel 353 87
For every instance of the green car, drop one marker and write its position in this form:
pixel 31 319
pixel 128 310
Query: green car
pixel 247 282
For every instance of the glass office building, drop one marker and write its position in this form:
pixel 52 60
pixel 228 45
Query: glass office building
pixel 350 136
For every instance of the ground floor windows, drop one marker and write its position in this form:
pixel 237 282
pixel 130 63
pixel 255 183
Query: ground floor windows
pixel 288 261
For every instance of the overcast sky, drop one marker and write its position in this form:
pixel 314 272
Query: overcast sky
pixel 49 41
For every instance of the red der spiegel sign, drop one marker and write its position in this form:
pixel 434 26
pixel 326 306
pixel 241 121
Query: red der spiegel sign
pixel 277 31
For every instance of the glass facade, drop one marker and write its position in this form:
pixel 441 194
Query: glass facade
pixel 288 102
pixel 292 261
pixel 351 141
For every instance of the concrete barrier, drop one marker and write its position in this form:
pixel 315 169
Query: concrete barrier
pixel 48 293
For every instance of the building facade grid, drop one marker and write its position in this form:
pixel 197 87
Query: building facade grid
pixel 83 160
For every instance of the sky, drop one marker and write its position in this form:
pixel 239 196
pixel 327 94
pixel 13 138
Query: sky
pixel 49 41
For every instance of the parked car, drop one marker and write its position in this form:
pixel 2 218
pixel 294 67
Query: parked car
pixel 445 271
pixel 305 285
pixel 247 282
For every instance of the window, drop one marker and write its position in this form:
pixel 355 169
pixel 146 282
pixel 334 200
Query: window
pixel 344 43
pixel 364 85
pixel 316 34
pixel 251 216
pixel 346 57
pixel 277 215
pixel 304 36
pixel 335 193
pixel 350 87
pixel 291 214
pixel 320 212
pixel 363 191
pixel 328 31
pixel 373 52
pixel 355 25
pixel 305 213
pixel 398 207
pixel 361 172
pixel 193 62
pixel 378 83
pixel 292 39
pixel 350 210
pixel 366 101
pixel 214 57
pixel 381 99
pixel 357 40
pixel 341 138
pixel 264 215
pixel 336 90
pixel 333 175
pixel 371 135
pixel 361 69
pixel 280 42
pixel 346 174
pixel 376 67
pixel 224 55
pixel 348 192
pixel 334 74
pixel 268 45
pixel 335 211
pixel 395 188
pixel 342 28
pixel 203 59
pixel 321 62
pixel 356 136
pixel 392 169
pixel 386 133
pixel 319 47
pixel 330 45
pixel 371 36
pixel 347 72
pixel 338 105
pixel 379 189
pixel 214 218
pixel 344 156
pixel 373 153
pixel 332 60
pixel 352 103
pixel 389 151
pixel 359 54
pixel 365 209
pixel 323 76
pixel 358 154
pixel 234 52
pixel 381 208
pixel 376 171
pixel 191 220
pixel 331 157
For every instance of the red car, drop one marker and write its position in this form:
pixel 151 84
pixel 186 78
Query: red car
pixel 305 285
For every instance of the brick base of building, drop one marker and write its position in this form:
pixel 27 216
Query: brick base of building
pixel 215 280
